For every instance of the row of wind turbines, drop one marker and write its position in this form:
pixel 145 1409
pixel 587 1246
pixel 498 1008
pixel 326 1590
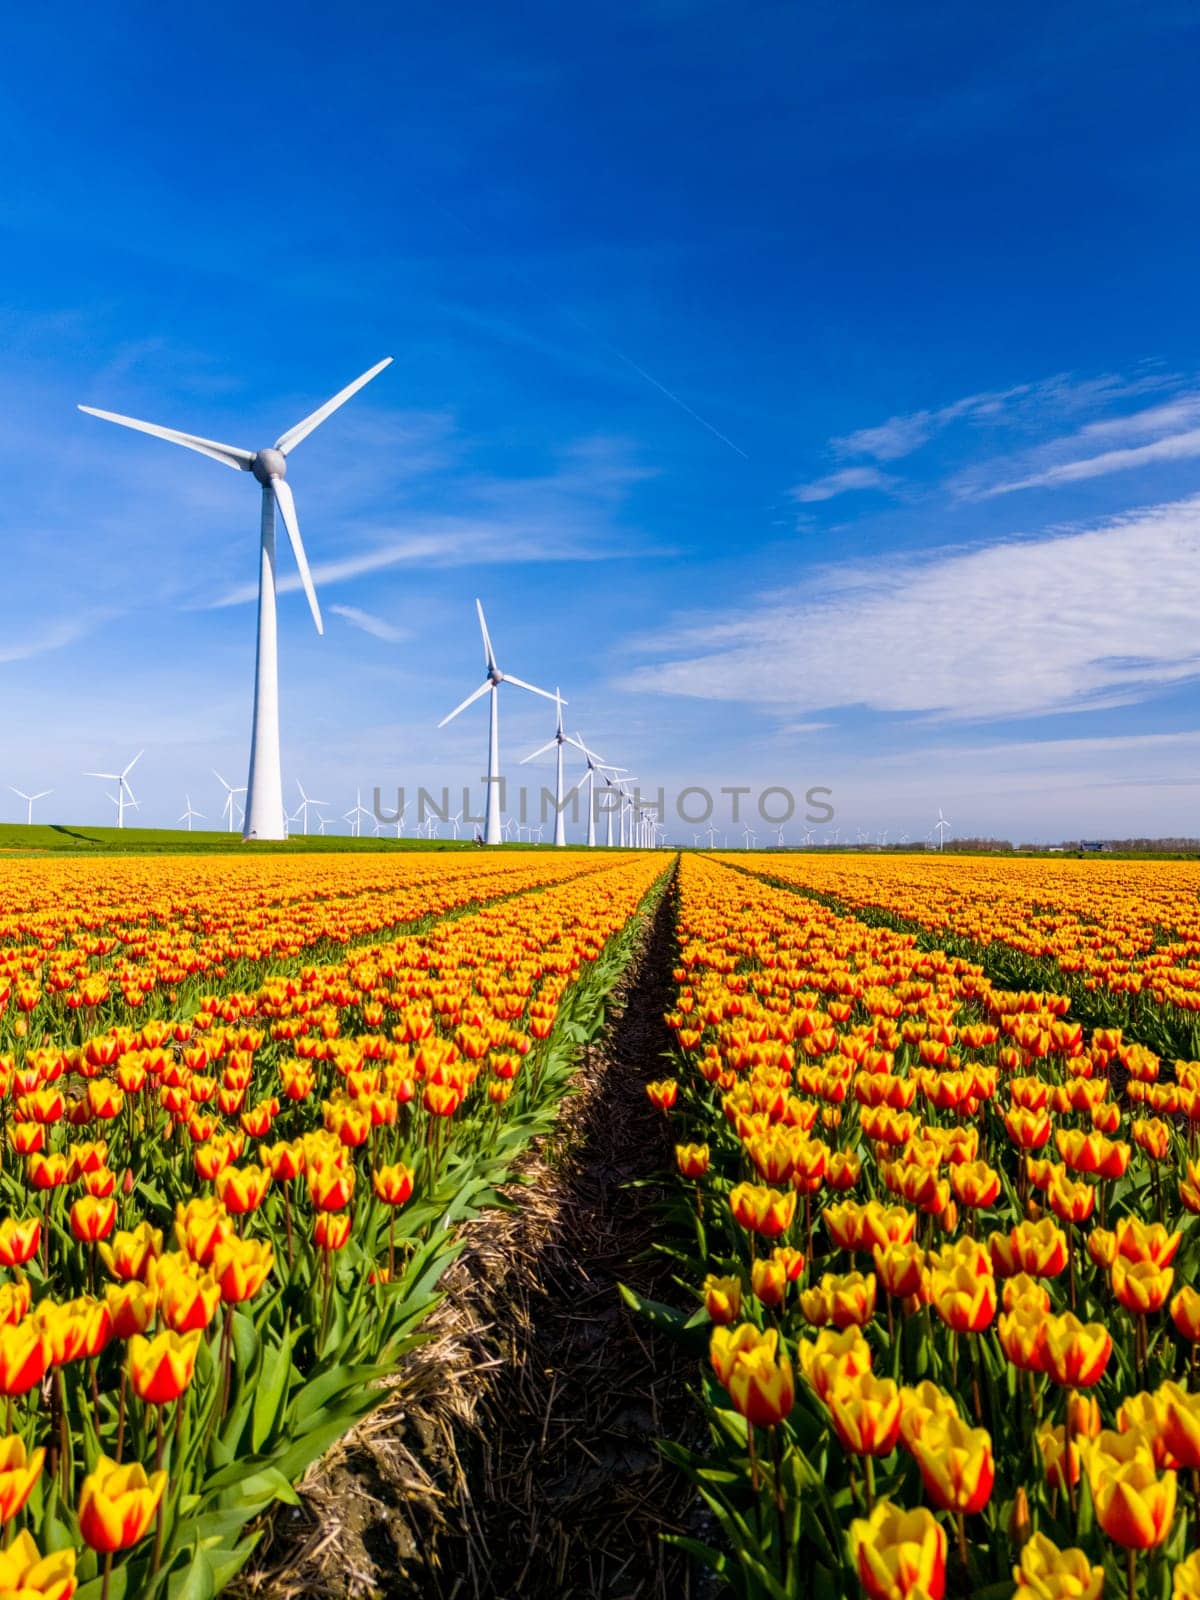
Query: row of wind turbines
pixel 263 814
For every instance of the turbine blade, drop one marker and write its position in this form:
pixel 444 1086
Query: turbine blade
pixel 541 752
pixel 219 779
pixel 288 441
pixel 287 507
pixel 470 700
pixel 40 796
pixel 532 687
pixel 487 638
pixel 113 777
pixel 133 763
pixel 228 454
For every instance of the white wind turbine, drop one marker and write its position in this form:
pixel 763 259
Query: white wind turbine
pixel 124 795
pixel 613 778
pixel 940 826
pixel 749 836
pixel 594 766
pixel 491 685
pixel 29 799
pixel 263 816
pixel 712 835
pixel 227 809
pixel 356 813
pixel 188 813
pixel 322 824
pixel 555 744
pixel 306 800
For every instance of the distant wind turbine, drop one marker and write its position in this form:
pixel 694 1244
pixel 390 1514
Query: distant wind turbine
pixel 491 685
pixel 263 817
pixel 940 827
pixel 230 802
pixel 29 799
pixel 307 800
pixel 555 744
pixel 356 813
pixel 189 813
pixel 124 795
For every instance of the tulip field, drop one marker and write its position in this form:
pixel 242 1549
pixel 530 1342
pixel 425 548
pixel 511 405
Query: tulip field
pixel 932 1218
pixel 243 1105
pixel 941 1237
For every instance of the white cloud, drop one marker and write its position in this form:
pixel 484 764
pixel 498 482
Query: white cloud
pixel 367 622
pixel 1174 447
pixel 51 636
pixel 847 479
pixel 1072 621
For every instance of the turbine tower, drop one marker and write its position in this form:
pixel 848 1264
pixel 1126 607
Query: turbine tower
pixel 263 816
pixel 124 795
pixel 491 684
pixel 29 799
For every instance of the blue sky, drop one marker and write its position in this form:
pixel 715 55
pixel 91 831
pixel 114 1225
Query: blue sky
pixel 812 391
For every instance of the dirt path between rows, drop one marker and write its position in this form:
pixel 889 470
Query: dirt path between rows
pixel 518 1458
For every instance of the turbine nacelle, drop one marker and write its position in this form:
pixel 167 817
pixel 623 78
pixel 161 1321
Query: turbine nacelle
pixel 268 464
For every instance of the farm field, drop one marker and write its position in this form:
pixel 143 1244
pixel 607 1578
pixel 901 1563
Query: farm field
pixel 927 1241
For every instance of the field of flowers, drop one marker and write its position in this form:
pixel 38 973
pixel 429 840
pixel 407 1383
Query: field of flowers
pixel 242 1106
pixel 942 1239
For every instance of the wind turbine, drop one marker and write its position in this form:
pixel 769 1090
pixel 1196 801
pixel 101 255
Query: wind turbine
pixel 29 799
pixel 594 766
pixel 230 802
pixel 189 813
pixel 491 684
pixel 355 815
pixel 307 800
pixel 779 838
pixel 749 836
pixel 712 835
pixel 623 776
pixel 322 824
pixel 940 826
pixel 555 744
pixel 124 795
pixel 263 816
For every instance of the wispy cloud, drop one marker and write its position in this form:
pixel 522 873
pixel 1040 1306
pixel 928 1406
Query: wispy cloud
pixel 367 622
pixel 843 482
pixel 1060 461
pixel 1072 621
pixel 50 636
pixel 1021 405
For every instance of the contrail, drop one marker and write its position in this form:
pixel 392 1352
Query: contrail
pixel 661 387
pixel 527 279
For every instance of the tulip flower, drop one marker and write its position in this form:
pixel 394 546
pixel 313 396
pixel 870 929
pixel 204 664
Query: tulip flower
pixel 1140 1286
pixel 1141 1241
pixel 900 1268
pixel 663 1094
pixel 965 1302
pixel 865 1411
pixel 1134 1506
pixel 1039 1248
pixel 722 1299
pixel 1186 1579
pixel 768 1281
pixel 240 1267
pixel 393 1185
pixel 762 1210
pixel 833 1357
pixel 1076 1353
pixel 131 1306
pixel 331 1230
pixel 975 1184
pixel 28 1575
pixel 728 1344
pixel 127 1255
pixel 24 1355
pixel 923 1406
pixel 1022 1335
pixel 1180 1412
pixel 1060 1456
pixel 200 1226
pixel 1045 1572
pixel 188 1293
pixel 1185 1314
pixel 759 1379
pixel 15 1298
pixel 243 1189
pixel 117 1504
pixel 956 1464
pixel 92 1219
pixel 899 1553
pixel 161 1368
pixel 845 1300
pixel 691 1160
pixel 330 1187
pixel 19 1240
pixel 18 1474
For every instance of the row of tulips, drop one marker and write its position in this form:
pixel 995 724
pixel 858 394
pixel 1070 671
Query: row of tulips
pixel 944 1270
pixel 85 944
pixel 1122 938
pixel 222 1230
